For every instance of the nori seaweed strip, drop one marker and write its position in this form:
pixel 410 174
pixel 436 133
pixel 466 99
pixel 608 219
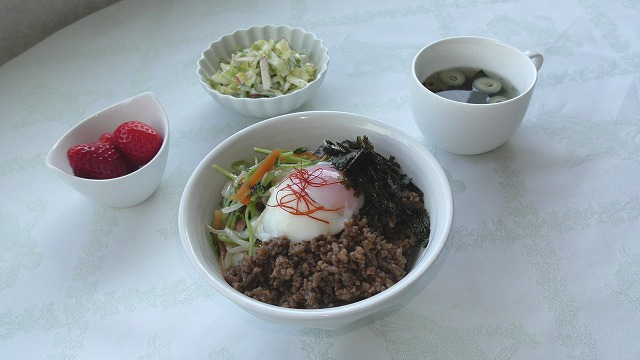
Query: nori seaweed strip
pixel 380 181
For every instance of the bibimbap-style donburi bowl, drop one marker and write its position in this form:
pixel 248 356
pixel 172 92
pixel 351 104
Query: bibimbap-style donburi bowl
pixel 209 193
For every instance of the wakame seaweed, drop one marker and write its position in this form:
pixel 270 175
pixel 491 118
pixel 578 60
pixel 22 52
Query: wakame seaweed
pixel 381 182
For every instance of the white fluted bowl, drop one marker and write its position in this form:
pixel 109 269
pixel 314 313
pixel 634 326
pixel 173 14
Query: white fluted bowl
pixel 229 44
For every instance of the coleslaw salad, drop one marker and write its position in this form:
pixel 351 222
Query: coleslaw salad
pixel 267 68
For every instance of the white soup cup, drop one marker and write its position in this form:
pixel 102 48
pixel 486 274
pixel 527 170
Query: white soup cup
pixel 464 128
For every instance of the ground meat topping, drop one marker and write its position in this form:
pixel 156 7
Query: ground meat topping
pixel 326 271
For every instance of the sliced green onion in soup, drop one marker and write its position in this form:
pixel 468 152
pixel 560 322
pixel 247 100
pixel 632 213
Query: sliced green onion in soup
pixel 496 99
pixel 452 77
pixel 487 85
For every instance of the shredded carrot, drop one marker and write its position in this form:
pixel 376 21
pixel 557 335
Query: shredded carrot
pixel 307 155
pixel 244 193
pixel 217 219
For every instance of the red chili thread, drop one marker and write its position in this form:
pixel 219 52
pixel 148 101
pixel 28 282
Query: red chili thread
pixel 297 196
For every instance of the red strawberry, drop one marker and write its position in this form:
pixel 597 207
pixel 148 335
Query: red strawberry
pixel 98 160
pixel 137 141
pixel 106 138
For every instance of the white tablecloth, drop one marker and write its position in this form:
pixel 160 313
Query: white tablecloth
pixel 543 261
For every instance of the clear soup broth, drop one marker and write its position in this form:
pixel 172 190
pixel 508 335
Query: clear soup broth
pixel 470 85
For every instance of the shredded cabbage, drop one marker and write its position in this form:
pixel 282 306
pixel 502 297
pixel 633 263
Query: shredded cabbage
pixel 265 69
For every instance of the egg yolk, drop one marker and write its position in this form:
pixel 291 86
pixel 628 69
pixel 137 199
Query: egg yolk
pixel 309 202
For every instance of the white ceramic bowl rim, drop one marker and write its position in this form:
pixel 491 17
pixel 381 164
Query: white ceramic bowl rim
pixel 320 71
pixel 421 265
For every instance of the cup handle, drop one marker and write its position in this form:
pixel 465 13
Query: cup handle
pixel 536 58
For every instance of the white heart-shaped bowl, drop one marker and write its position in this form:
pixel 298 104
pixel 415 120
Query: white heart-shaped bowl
pixel 125 191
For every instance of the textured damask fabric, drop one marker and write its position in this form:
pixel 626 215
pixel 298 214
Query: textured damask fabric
pixel 543 261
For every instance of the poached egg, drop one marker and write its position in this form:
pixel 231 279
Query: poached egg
pixel 309 202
